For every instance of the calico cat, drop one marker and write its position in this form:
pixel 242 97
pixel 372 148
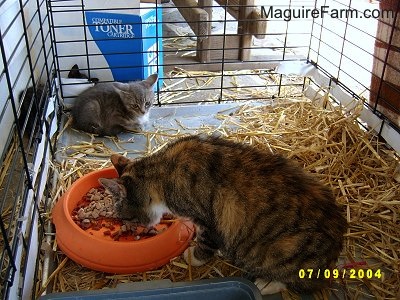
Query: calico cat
pixel 260 210
pixel 113 107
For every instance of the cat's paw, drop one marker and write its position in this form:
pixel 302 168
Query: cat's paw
pixel 193 261
pixel 268 287
pixel 134 128
pixel 141 125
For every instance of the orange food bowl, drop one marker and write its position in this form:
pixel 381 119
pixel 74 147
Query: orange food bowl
pixel 98 252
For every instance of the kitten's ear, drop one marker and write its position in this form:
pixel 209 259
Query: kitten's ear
pixel 119 162
pixel 121 86
pixel 122 89
pixel 74 72
pixel 113 186
pixel 151 80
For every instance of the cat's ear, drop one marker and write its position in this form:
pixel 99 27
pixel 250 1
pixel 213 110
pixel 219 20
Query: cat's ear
pixel 151 80
pixel 121 86
pixel 74 72
pixel 113 186
pixel 119 162
pixel 122 89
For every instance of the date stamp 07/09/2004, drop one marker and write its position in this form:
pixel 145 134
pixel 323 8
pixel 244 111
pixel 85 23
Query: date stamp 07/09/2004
pixel 343 273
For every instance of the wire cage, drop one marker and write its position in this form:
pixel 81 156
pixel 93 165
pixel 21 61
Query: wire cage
pixel 206 52
pixel 27 81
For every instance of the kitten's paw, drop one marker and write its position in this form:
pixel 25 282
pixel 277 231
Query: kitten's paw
pixel 134 128
pixel 193 260
pixel 269 287
pixel 139 127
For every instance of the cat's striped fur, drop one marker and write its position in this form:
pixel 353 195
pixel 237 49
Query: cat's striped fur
pixel 261 210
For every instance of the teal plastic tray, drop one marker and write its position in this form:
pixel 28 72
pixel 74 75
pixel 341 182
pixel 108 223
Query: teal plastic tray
pixel 209 289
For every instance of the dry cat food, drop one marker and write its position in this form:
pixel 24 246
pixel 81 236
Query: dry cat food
pixel 95 212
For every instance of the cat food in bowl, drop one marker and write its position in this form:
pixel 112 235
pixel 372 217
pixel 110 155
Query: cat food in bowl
pixel 89 233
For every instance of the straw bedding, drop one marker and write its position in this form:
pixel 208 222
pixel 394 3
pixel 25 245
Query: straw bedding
pixel 10 206
pixel 361 171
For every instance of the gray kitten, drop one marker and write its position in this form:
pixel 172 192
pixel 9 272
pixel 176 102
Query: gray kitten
pixel 110 108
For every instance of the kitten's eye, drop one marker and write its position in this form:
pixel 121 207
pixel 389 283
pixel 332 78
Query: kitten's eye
pixel 147 105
